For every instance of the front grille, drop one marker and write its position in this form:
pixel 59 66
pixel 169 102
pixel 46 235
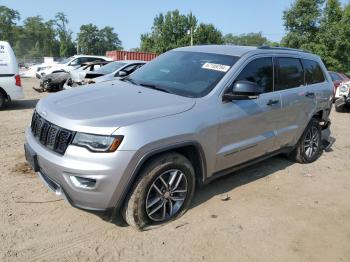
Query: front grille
pixel 53 137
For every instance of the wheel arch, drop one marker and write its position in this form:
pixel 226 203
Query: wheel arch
pixel 192 150
pixel 3 92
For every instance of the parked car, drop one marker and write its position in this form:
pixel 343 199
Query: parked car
pixel 10 81
pixel 56 80
pixel 141 146
pixel 342 103
pixel 106 73
pixel 338 79
pixel 71 63
pixel 32 70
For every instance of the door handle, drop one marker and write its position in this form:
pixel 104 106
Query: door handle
pixel 272 102
pixel 310 94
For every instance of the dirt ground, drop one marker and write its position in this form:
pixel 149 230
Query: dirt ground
pixel 275 211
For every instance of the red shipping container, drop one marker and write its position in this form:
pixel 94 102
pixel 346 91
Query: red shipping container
pixel 126 55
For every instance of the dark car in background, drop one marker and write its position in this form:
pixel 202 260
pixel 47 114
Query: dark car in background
pixel 338 79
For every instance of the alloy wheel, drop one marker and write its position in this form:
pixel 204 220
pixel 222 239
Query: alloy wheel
pixel 166 195
pixel 311 142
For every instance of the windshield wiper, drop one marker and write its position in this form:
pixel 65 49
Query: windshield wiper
pixel 127 79
pixel 155 87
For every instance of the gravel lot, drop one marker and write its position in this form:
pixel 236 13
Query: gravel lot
pixel 276 211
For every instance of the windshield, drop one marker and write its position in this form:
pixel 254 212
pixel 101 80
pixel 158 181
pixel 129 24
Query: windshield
pixel 191 74
pixel 65 61
pixel 110 68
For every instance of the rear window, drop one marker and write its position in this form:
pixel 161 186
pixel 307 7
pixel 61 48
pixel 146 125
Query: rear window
pixel 290 73
pixel 313 72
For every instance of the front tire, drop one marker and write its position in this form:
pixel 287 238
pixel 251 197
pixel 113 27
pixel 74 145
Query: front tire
pixel 163 192
pixel 309 147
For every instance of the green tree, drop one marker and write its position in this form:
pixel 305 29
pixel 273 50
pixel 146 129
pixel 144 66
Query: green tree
pixel 168 31
pixel 342 49
pixel 67 47
pixel 91 40
pixel 301 21
pixel 39 38
pixel 207 34
pixel 250 39
pixel 88 39
pixel 173 29
pixel 328 36
pixel 8 19
pixel 108 40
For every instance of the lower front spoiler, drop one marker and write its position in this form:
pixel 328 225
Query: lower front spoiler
pixel 105 214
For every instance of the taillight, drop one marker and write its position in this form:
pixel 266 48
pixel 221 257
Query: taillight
pixel 18 80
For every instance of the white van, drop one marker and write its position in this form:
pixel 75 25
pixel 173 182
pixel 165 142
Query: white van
pixel 10 81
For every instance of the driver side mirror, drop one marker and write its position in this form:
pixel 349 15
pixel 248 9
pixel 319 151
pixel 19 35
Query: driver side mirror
pixel 242 90
pixel 121 73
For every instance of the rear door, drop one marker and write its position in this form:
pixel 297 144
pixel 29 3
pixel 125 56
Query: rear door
pixel 298 101
pixel 247 128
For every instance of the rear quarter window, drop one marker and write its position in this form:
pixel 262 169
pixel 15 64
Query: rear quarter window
pixel 313 72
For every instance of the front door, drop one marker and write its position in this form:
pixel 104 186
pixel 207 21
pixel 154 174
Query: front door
pixel 248 127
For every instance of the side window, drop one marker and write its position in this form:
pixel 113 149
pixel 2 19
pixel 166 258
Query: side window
pixel 290 73
pixel 313 72
pixel 131 68
pixel 259 71
pixel 93 59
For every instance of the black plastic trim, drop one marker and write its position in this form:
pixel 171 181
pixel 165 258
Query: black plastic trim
pixel 6 75
pixel 153 153
pixel 232 169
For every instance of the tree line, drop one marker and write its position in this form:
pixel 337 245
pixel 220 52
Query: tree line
pixel 38 38
pixel 319 26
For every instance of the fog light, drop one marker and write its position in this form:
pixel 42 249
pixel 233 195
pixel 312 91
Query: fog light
pixel 83 182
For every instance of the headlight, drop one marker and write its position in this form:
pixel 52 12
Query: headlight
pixel 97 143
pixel 344 88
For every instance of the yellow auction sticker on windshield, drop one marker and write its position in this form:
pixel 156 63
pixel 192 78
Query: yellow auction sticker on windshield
pixel 216 67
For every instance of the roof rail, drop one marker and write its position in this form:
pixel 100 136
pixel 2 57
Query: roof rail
pixel 282 48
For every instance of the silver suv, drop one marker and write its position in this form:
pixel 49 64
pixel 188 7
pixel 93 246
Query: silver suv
pixel 139 146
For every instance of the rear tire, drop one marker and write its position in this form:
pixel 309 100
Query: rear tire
pixel 2 101
pixel 162 193
pixel 309 146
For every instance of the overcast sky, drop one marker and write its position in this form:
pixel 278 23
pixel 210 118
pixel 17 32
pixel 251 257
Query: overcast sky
pixel 132 18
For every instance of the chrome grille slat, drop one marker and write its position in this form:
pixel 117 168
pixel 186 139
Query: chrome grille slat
pixel 50 135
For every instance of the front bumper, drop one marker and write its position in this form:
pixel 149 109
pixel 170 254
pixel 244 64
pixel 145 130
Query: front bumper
pixel 57 171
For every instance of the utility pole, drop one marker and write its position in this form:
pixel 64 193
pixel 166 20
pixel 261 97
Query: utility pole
pixel 78 47
pixel 191 35
pixel 78 44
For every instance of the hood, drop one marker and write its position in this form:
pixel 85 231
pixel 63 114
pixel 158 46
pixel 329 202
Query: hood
pixel 102 108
